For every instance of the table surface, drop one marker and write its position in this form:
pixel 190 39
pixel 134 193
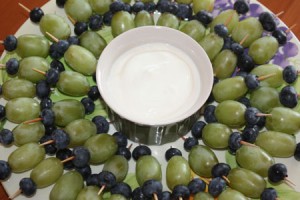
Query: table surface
pixel 12 17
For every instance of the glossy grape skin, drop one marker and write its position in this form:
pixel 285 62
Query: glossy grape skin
pixel 283 120
pixel 73 83
pixel 224 64
pixel 235 110
pixel 22 109
pixel 100 6
pixel 232 195
pixel 32 45
pixel 207 5
pixel 203 196
pixel 212 45
pixel 264 99
pixel 101 147
pixel 274 81
pixel 249 26
pixel 89 193
pixel 216 130
pixel 194 29
pixel 118 165
pixel 15 88
pixel 93 42
pixel 223 18
pixel 254 159
pixel 26 68
pixel 247 182
pixel 147 167
pixel 121 21
pixel 67 110
pixel 47 172
pixel 81 60
pixel 277 144
pixel 178 172
pixel 56 26
pixel 79 131
pixel 201 160
pixel 263 49
pixel 229 89
pixel 168 20
pixel 26 157
pixel 79 10
pixel 143 18
pixel 27 133
pixel 67 186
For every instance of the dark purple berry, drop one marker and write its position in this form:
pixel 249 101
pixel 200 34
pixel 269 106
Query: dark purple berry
pixel 6 137
pixel 101 124
pixel 267 21
pixel 209 114
pixel 196 185
pixel 189 143
pixel 277 172
pixel 204 17
pixel 180 191
pixel 290 74
pixel 28 187
pixel 10 43
pixel 288 96
pixel 172 152
pixel 36 15
pixel 241 6
pixel 88 104
pixel 12 66
pixel 280 36
pixel 80 27
pixel 140 150
pixel 5 170
pixel 197 129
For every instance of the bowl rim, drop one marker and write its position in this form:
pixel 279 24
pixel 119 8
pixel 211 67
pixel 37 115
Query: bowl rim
pixel 155 29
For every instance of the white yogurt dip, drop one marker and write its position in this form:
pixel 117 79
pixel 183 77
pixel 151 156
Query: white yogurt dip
pixel 153 83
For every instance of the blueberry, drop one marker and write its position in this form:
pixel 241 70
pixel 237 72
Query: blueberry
pixel 220 170
pixel 140 150
pixel 196 185
pixel 290 74
pixel 162 5
pixel 269 194
pixel 251 81
pixel 234 142
pixel 94 93
pixel 101 124
pixel 189 143
pixel 204 17
pixel 48 117
pixel 165 195
pixel 249 134
pixel 61 3
pixel 138 6
pixel 116 6
pixel 245 62
pixel 80 27
pixel 95 22
pixel 245 101
pixel 197 129
pixel 10 43
pixel 89 105
pixel 280 36
pixel 150 7
pixel 121 188
pixel 82 156
pixel 297 152
pixel 107 179
pixel 12 66
pixel 124 151
pixel 93 179
pixel 277 172
pixel 216 186
pixel 2 112
pixel 267 21
pixel 46 103
pixel 49 129
pixel 36 15
pixel 127 7
pixel 5 170
pixel 209 114
pixel 250 115
pixel 241 73
pixel 28 187
pixel 137 194
pixel 180 191
pixel 121 139
pixel 50 149
pixel 61 139
pixel 52 76
pixel 228 41
pixel 185 11
pixel 63 154
pixel 172 152
pixel 107 18
pixel 85 171
pixel 288 96
pixel 172 8
pixel 73 40
pixel 56 64
pixel 42 89
pixel 151 187
pixel 6 137
pixel 237 49
pixel 241 6
pixel 221 30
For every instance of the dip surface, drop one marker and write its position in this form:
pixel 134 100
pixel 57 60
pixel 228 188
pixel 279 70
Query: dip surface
pixel 153 83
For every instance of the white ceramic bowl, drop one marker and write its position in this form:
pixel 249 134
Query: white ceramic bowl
pixel 159 130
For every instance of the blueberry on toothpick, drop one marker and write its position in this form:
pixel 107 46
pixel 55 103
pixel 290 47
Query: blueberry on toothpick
pixel 11 66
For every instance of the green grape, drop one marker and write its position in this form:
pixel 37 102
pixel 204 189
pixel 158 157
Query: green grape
pixel 247 182
pixel 15 88
pixel 207 5
pixel 184 1
pixel 89 193
pixel 228 17
pixel 264 99
pixel 254 159
pixel 67 110
pixel 47 172
pixel 202 159
pixel 275 80
pixel 250 28
pixel 100 6
pixel 224 64
pixel 67 186
pixel 147 167
pixel 101 147
pixel 216 130
pixel 203 196
pixel 117 197
pixel 168 20
pixel 26 157
pixel 118 165
pixel 22 109
pixel 230 89
pixel 283 120
pixel 26 133
pixel 56 26
pixel 194 29
pixel 78 10
pixel 232 195
pixel 79 131
pixel 26 68
pixel 121 21
pixel 73 84
pixel 81 60
pixel 93 42
pixel 32 45
pixel 263 49
pixel 178 172
pixel 212 45
pixel 235 110
pixel 277 144
pixel 143 18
